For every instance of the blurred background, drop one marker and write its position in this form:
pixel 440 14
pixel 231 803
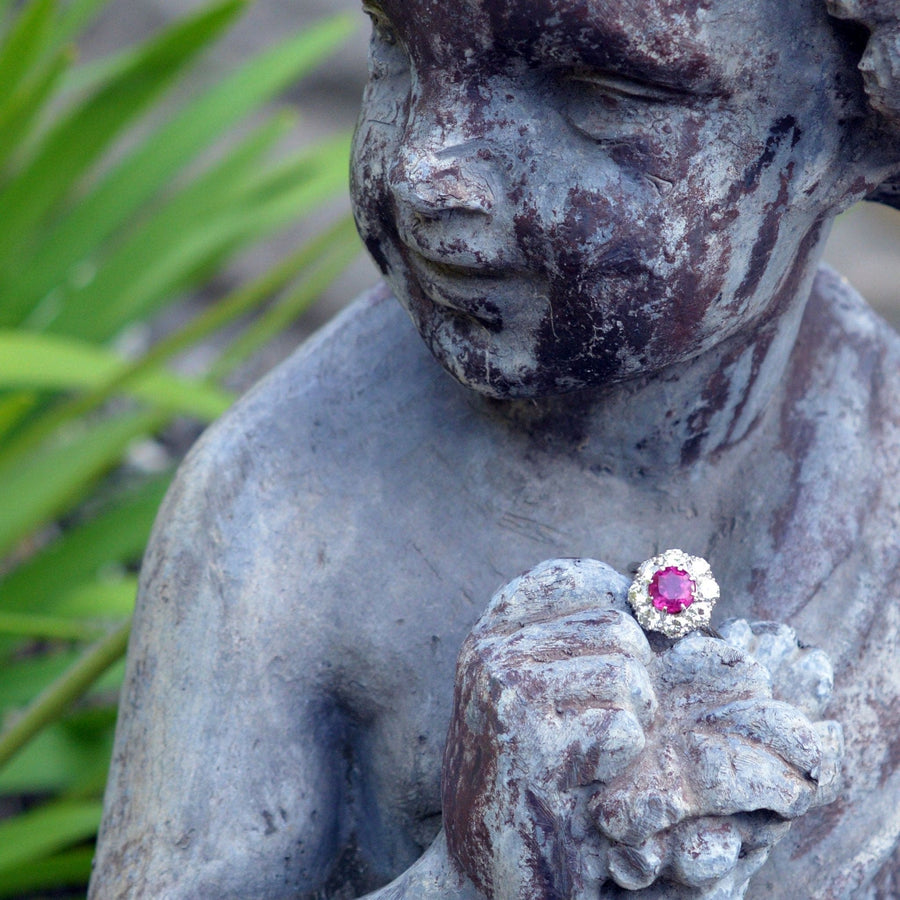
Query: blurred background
pixel 865 245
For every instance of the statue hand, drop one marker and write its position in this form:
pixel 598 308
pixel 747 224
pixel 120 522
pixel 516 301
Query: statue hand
pixel 729 767
pixel 579 756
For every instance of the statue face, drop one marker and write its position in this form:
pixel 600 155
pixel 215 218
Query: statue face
pixel 569 193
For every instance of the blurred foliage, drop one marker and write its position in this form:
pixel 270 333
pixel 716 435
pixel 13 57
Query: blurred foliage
pixel 121 190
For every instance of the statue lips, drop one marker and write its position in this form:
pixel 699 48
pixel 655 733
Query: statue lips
pixel 468 291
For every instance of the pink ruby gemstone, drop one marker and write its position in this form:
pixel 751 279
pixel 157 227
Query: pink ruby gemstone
pixel 671 590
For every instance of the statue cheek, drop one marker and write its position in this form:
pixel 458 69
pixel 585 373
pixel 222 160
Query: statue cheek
pixel 374 145
pixel 608 228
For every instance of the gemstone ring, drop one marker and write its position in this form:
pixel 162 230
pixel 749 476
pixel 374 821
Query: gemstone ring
pixel 673 593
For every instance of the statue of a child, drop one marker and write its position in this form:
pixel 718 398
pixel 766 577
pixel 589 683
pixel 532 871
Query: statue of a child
pixel 604 217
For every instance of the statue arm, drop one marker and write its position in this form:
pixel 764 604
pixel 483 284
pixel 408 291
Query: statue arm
pixel 224 779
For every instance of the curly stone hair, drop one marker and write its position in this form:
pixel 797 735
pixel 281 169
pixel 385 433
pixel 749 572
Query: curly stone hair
pixel 880 68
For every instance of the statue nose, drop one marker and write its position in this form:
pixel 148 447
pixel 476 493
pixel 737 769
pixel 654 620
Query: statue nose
pixel 432 183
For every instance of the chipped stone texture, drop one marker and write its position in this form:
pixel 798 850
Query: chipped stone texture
pixel 625 202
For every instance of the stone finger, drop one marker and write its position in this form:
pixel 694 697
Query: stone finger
pixel 760 830
pixel 566 688
pixel 644 800
pixel 589 632
pixel 801 675
pixel 636 867
pixel 722 669
pixel 702 851
pixel 828 774
pixel 552 589
pixel 591 749
pixel 618 682
pixel 731 775
pixel 780 727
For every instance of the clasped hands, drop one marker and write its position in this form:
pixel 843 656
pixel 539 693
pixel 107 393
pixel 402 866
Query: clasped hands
pixel 585 760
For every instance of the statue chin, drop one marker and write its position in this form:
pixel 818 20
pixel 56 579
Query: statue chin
pixel 500 361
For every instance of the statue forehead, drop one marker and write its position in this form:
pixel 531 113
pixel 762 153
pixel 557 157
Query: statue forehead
pixel 696 39
pixel 574 16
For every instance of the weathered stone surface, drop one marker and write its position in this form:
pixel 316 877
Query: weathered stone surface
pixel 625 202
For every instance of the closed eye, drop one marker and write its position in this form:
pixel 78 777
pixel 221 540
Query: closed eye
pixel 617 87
pixel 613 109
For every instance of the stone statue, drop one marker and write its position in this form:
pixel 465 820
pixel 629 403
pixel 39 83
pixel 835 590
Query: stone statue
pixel 605 220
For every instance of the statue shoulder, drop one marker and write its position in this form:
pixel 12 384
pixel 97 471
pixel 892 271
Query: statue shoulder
pixel 847 363
pixel 285 493
pixel 288 439
pixel 841 421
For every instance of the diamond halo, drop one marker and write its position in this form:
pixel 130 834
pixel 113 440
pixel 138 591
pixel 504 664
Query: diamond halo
pixel 673 593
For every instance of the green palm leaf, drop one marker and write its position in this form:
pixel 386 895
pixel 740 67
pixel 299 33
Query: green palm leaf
pixel 79 140
pixel 101 227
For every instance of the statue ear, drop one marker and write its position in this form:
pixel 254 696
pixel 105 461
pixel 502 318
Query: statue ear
pixel 880 62
pixel 880 69
pixel 888 192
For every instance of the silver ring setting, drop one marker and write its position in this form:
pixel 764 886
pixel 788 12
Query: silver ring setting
pixel 673 593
